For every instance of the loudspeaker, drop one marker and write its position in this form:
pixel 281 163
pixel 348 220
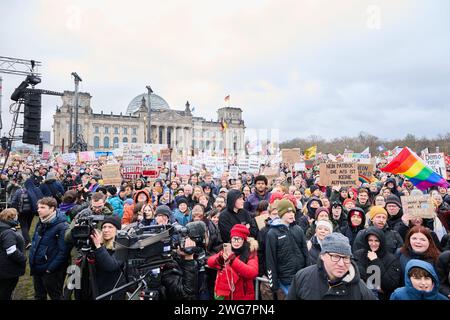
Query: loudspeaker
pixel 32 119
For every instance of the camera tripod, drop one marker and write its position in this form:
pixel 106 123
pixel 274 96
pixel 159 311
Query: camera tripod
pixel 88 285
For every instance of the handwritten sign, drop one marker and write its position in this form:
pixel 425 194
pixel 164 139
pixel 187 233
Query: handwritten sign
pixel 334 174
pixel 418 206
pixel 290 156
pixel 183 170
pixel 365 171
pixel 111 174
pixel 357 157
pixel 234 172
pixel 300 166
pixel 436 161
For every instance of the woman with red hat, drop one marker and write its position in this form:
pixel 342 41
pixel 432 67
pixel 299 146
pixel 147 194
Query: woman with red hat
pixel 237 266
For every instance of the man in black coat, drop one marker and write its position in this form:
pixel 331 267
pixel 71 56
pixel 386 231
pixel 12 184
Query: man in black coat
pixel 393 207
pixel 334 277
pixel 234 214
pixel 286 249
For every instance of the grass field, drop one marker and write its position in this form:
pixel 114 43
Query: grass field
pixel 24 289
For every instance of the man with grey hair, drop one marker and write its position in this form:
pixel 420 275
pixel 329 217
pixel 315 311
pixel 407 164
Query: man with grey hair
pixel 334 277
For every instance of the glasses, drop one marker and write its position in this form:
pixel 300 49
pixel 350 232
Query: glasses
pixel 237 239
pixel 336 258
pixel 98 207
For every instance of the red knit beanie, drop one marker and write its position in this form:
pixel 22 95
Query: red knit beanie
pixel 239 230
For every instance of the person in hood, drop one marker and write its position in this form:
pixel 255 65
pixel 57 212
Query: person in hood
pixel 49 252
pixel 356 220
pixel 378 218
pixel 394 209
pixel 391 184
pixel 322 213
pixel 12 256
pixel 309 213
pixel 286 249
pixel 139 196
pixel 238 266
pixel 115 201
pixel 234 214
pixel 421 283
pixel 339 193
pixel 52 187
pixel 334 277
pixel 261 193
pixel 338 216
pixel 182 214
pixel 374 254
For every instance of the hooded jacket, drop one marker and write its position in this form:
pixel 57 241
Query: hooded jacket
pixel 303 222
pixel 12 257
pixel 349 230
pixel 286 253
pixel 408 292
pixel 48 249
pixel 388 264
pixel 240 273
pixel 312 283
pixel 394 190
pixel 341 223
pixel 393 239
pixel 128 209
pixel 228 217
pixel 254 199
pixel 52 188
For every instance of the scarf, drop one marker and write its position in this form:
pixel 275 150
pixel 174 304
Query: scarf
pixel 49 218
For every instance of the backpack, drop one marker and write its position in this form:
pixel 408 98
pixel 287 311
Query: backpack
pixel 24 202
pixel 55 193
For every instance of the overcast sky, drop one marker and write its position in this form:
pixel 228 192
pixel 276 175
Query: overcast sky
pixel 328 68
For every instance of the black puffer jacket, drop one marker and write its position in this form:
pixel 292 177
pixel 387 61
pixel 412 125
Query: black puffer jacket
pixel 180 280
pixel 108 271
pixel 348 230
pixel 12 258
pixel 393 239
pixel 312 283
pixel 228 218
pixel 315 250
pixel 303 221
pixel 286 253
pixel 443 271
pixel 390 270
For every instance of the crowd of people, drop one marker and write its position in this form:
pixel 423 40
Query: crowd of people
pixel 288 235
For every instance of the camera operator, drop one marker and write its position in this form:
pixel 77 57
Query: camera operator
pixel 179 276
pixel 107 268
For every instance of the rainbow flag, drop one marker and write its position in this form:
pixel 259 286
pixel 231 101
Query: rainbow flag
pixel 411 166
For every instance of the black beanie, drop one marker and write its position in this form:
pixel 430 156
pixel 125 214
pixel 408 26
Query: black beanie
pixel 114 220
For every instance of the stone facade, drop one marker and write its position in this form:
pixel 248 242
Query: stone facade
pixel 181 130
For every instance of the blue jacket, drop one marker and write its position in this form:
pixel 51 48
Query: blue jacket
pixel 117 205
pixel 254 199
pixel 408 292
pixel 181 218
pixel 48 249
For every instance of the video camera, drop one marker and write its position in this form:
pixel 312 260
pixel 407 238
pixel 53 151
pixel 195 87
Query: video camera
pixel 195 231
pixel 86 223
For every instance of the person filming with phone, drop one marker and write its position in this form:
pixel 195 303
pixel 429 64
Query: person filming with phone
pixel 237 266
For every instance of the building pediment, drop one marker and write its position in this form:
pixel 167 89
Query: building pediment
pixel 169 116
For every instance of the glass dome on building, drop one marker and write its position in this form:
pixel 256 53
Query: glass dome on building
pixel 156 101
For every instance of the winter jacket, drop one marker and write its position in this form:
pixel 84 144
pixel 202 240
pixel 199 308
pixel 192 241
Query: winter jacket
pixel 312 283
pixel 349 230
pixel 65 208
pixel 34 195
pixel 215 240
pixel 394 221
pixel 286 253
pixel 180 279
pixel 303 221
pixel 262 237
pixel 405 258
pixel 48 249
pixel 392 238
pixel 388 264
pixel 408 292
pixel 254 199
pixel 117 205
pixel 127 217
pixel 403 229
pixel 394 190
pixel 228 218
pixel 315 250
pixel 443 271
pixel 12 257
pixel 52 188
pixel 240 273
pixel 443 213
pixel 365 207
pixel 182 218
pixel 107 273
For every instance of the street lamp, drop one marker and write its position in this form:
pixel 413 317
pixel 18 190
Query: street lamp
pixel 149 115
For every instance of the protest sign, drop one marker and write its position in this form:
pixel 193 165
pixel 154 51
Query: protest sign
pixel 183 170
pixel 300 166
pixel 436 161
pixel 132 160
pixel 365 172
pixel 165 155
pixel 357 157
pixel 290 156
pixel 46 151
pixel 111 174
pixel 86 156
pixel 261 220
pixel 69 158
pixel 334 174
pixel 234 172
pixel 418 206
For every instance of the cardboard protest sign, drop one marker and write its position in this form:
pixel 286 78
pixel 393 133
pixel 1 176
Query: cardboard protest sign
pixel 69 158
pixel 261 220
pixel 436 161
pixel 334 174
pixel 165 155
pixel 111 174
pixel 290 156
pixel 365 172
pixel 132 160
pixel 87 156
pixel 418 206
